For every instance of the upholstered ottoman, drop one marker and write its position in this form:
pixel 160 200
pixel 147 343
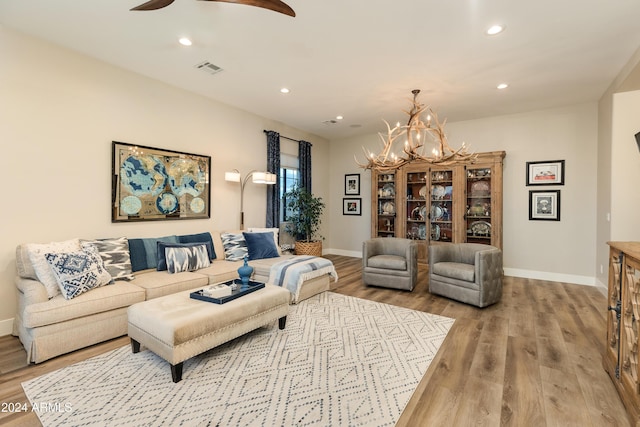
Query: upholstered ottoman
pixel 177 327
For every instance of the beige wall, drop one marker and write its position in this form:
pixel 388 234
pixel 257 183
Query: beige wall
pixel 562 250
pixel 625 171
pixel 628 79
pixel 59 112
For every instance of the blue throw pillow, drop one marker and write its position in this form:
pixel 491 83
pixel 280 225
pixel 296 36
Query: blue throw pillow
pixel 161 263
pixel 198 238
pixel 144 252
pixel 261 245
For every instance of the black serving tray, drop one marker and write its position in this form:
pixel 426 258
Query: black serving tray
pixel 240 291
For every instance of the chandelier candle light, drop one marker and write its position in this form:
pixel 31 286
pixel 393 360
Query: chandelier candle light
pixel 416 134
pixel 258 178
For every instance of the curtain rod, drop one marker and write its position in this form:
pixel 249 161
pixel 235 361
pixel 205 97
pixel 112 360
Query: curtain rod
pixel 285 137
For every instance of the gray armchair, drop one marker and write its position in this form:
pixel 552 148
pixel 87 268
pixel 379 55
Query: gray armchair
pixel 390 262
pixel 466 272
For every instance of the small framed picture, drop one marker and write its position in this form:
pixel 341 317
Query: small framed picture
pixel 544 205
pixel 550 172
pixel 352 206
pixel 352 184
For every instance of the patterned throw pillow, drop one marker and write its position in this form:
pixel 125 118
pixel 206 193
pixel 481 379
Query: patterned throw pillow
pixel 44 273
pixel 78 272
pixel 115 256
pixel 162 251
pixel 235 247
pixel 187 258
pixel 200 238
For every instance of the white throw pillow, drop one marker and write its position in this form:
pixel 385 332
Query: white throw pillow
pixel 43 270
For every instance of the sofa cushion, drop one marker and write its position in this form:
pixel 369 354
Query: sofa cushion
pixel 220 271
pixel 144 252
pixel 387 262
pixel 162 251
pixel 42 269
pixel 198 238
pixel 102 299
pixel 455 270
pixel 159 283
pixel 235 247
pixel 115 255
pixel 188 258
pixel 261 245
pixel 78 272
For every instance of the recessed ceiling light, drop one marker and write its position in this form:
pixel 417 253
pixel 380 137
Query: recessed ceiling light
pixel 339 117
pixel 284 90
pixel 495 29
pixel 502 86
pixel 184 41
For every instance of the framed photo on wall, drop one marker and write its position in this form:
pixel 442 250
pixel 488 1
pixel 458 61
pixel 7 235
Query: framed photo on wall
pixel 352 206
pixel 544 205
pixel 151 184
pixel 550 172
pixel 352 184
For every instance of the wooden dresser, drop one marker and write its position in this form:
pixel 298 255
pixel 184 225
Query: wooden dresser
pixel 623 303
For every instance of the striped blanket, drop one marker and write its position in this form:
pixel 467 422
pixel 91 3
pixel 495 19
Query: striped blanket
pixel 292 272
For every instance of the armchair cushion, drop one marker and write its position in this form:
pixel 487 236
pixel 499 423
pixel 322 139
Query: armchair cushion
pixel 455 270
pixel 390 262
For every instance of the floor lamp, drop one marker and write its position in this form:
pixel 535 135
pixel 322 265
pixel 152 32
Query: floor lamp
pixel 257 178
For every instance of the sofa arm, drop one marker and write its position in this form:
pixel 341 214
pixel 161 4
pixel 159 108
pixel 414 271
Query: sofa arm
pixel 411 255
pixel 488 265
pixel 31 290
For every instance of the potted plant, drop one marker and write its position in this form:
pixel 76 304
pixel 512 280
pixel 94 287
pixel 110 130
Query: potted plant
pixel 303 211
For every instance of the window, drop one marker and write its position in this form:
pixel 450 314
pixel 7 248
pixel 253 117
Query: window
pixel 288 180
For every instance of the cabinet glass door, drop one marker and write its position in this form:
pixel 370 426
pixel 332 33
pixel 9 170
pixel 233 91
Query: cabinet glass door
pixel 478 215
pixel 441 206
pixel 386 206
pixel 416 209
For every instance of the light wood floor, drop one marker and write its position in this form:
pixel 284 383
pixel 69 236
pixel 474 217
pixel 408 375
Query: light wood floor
pixel 534 359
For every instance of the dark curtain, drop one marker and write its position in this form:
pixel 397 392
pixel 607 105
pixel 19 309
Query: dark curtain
pixel 304 157
pixel 273 191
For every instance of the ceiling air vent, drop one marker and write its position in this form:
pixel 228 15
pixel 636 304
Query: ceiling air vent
pixel 330 122
pixel 208 67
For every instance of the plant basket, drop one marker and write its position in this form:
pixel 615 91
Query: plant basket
pixel 309 248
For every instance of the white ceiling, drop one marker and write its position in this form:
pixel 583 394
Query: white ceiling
pixel 356 58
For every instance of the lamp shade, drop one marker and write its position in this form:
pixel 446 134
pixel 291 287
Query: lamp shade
pixel 259 177
pixel 232 176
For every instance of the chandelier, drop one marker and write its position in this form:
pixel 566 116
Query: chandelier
pixel 425 141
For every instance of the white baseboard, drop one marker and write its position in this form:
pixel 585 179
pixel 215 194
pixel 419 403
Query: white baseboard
pixel 515 272
pixel 552 277
pixel 355 254
pixel 6 327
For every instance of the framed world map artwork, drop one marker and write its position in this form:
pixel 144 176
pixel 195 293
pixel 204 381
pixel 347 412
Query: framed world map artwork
pixel 156 184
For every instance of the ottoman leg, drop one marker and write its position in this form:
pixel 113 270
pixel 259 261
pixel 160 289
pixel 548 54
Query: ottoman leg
pixel 282 322
pixel 176 372
pixel 135 346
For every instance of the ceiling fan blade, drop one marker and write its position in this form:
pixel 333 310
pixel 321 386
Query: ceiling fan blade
pixel 275 5
pixel 153 5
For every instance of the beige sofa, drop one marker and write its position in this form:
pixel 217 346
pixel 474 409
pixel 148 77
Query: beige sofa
pixel 51 327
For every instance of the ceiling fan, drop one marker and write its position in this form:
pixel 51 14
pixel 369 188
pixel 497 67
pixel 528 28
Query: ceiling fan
pixel 275 5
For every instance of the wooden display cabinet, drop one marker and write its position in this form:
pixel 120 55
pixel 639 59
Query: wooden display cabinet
pixel 433 204
pixel 620 358
pixel 383 209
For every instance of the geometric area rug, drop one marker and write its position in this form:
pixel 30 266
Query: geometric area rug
pixel 340 361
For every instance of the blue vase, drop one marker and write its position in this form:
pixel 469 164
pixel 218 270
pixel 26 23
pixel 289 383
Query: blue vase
pixel 245 272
